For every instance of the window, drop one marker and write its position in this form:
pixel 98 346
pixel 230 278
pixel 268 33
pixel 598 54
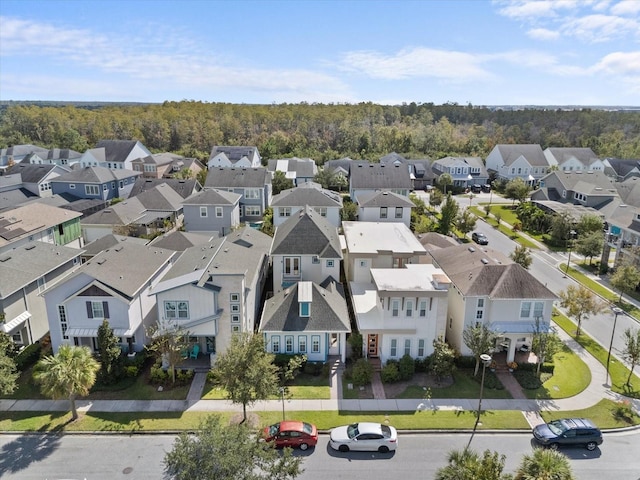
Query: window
pixel 288 344
pixel 423 308
pixel 329 263
pixel 538 309
pixel 17 337
pixel 315 343
pixel 235 318
pixel 395 308
pixel 235 328
pixel 42 284
pixel 393 351
pixel 322 211
pixel 383 212
pixel 113 185
pixel 421 347
pixel 275 344
pixel 203 212
pixel 363 264
pixel 315 259
pixel 252 210
pixel 121 184
pixel 305 309
pixel 62 318
pixel 218 212
pixel 235 307
pixel 302 344
pixel 409 309
pixel 292 266
pixel 72 186
pixel 480 309
pixel 252 193
pixel 174 309
pixel 285 211
pixel 407 346
pixel 97 310
pixel 105 187
pixel 525 310
pixel 398 212
pixel 234 297
pixel 92 190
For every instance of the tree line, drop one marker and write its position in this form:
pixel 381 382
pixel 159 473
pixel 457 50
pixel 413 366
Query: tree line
pixel 321 131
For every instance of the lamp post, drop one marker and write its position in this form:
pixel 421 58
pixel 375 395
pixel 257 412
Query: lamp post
pixel 486 360
pixel 282 396
pixel 572 234
pixel 617 311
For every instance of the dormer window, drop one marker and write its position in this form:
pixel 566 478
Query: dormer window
pixel 305 309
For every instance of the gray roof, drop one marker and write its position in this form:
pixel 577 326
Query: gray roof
pixel 532 152
pixel 25 264
pixel 160 197
pixel 629 191
pixel 95 175
pixel 14 198
pixel 108 241
pixel 304 167
pixel 256 177
pixel 328 310
pixel 307 233
pixel 235 153
pixel 431 240
pixel 307 194
pixel 63 153
pixel 585 155
pixel 589 183
pixel 392 158
pixel 28 219
pixel 479 271
pixel 179 241
pixel 376 176
pixel 31 173
pixel 118 150
pixel 184 188
pixel 622 166
pixel 383 198
pixel 213 197
pixel 345 163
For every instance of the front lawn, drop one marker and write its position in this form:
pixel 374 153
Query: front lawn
pixel 464 386
pixel 303 387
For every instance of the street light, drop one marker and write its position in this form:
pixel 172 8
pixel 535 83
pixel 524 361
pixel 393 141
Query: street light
pixel 572 234
pixel 486 360
pixel 282 396
pixel 617 311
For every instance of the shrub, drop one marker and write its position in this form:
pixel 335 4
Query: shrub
pixel 467 361
pixel 527 379
pixel 158 375
pixel 406 367
pixel 28 356
pixel 326 370
pixel 184 376
pixel 313 368
pixel 421 364
pixel 623 411
pixel 131 371
pixel 361 372
pixel 390 372
pixel 355 341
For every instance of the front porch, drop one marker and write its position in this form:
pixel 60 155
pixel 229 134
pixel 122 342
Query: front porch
pixel 520 358
pixel 200 364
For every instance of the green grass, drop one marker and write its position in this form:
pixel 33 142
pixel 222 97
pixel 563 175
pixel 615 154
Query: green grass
pixel 464 386
pixel 303 387
pixel 504 228
pixel 617 370
pixel 602 415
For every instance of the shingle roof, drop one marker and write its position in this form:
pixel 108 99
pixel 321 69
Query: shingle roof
pixel 108 241
pixel 307 194
pixel 585 155
pixel 328 311
pixel 22 150
pixel 256 177
pixel 33 217
pixel 376 176
pixel 213 197
pixel 307 233
pixel 383 199
pixel 179 241
pixel 184 188
pixel 95 175
pixel 118 150
pixel 485 272
pixel 622 167
pixel 235 153
pixel 532 152
pixel 31 173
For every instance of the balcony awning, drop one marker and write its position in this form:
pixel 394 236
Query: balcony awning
pixel 14 323
pixel 93 332
pixel 519 327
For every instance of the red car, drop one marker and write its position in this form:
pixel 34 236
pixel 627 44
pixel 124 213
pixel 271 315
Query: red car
pixel 292 433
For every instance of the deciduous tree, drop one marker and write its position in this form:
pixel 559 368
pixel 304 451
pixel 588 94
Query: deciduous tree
pixel 465 221
pixel 110 354
pixel 590 245
pixel 480 340
pixel 631 350
pixel 522 256
pixel 625 279
pixel 280 182
pixel 517 189
pixel 445 180
pixel 169 340
pixel 448 213
pixel 580 303
pixel 8 373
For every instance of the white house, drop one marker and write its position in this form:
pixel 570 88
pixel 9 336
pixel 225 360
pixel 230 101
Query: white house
pixel 518 161
pixel 384 206
pixel 289 202
pixel 570 159
pixel 223 156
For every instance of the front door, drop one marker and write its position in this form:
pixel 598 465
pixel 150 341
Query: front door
pixel 372 345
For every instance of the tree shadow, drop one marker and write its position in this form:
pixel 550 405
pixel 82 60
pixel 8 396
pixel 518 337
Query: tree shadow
pixel 29 448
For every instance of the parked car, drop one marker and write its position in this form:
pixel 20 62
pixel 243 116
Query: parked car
pixel 480 238
pixel 486 188
pixel 364 436
pixel 292 433
pixel 475 188
pixel 568 431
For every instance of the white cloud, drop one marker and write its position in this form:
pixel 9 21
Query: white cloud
pixel 619 63
pixel 626 7
pixel 532 9
pixel 416 62
pixel 543 34
pixel 600 28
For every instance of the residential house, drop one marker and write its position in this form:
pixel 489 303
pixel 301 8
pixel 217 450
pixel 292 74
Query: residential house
pixel 307 319
pixel 213 291
pixel 96 183
pixel 573 159
pixel 12 193
pixel 166 165
pixel 621 169
pixel 179 241
pixel 212 211
pixel 223 156
pixel 35 221
pixel 489 288
pixel 36 178
pixel 289 202
pixel 298 170
pixel 384 206
pixel 185 188
pixel 422 174
pixel 377 177
pixel 24 273
pixel 623 235
pixel 528 162
pixel 55 156
pixel 107 287
pixel 341 169
pixel 254 184
pixel 305 248
pixel 116 154
pixel 92 249
pixel 464 171
pixel 11 155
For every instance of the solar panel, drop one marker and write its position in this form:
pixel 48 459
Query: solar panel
pixel 11 234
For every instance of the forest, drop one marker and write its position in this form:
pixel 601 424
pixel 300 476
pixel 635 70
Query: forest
pixel 321 131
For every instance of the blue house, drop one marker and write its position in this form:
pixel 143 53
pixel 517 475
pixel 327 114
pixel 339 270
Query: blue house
pixel 96 183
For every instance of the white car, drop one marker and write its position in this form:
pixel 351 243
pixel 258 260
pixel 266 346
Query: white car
pixel 364 436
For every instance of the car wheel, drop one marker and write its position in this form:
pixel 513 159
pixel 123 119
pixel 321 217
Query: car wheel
pixel 304 446
pixel 383 449
pixel 343 448
pixel 554 446
pixel 591 446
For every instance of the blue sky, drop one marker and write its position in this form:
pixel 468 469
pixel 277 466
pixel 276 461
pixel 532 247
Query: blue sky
pixel 535 52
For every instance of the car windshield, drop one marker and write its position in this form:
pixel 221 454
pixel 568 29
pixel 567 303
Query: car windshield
pixel 557 427
pixel 386 431
pixel 274 429
pixel 352 430
pixel 307 428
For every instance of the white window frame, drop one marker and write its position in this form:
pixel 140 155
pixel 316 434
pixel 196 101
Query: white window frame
pixel 407 346
pixel 62 319
pixel 383 212
pixel 525 309
pixel 204 212
pixel 219 212
pixel 395 307
pixel 275 344
pixel 399 211
pixel 285 212
pixel 315 343
pixel 423 308
pixel 252 210
pixel 393 348
pixel 288 344
pixel 180 310
pixel 330 264
pixel 302 344
pixel 92 190
pixel 409 308
pixel 252 193
pixel 421 349
pixel 291 266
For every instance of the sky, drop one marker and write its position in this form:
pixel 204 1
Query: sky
pixel 479 52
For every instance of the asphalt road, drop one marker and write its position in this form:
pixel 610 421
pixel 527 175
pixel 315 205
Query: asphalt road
pixel 419 456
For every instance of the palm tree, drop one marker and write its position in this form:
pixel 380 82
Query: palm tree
pixel 69 373
pixel 544 464
pixel 468 465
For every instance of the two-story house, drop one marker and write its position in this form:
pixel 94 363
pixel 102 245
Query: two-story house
pixel 25 272
pixel 489 288
pixel 212 211
pixel 298 170
pixel 573 159
pixel 95 183
pixel 253 184
pixel 621 169
pixel 508 162
pixel 384 206
pixel 56 156
pixel 108 287
pixel 289 202
pixel 36 178
pixel 224 156
pixel 184 188
pixel 305 248
pixel 464 171
pixel 377 177
pixel 214 290
pixel 114 154
pixel 587 189
pixel 11 155
pixel 166 165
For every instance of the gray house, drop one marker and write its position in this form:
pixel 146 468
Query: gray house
pixel 298 170
pixel 36 178
pixel 212 211
pixel 289 202
pixel 234 156
pixel 95 183
pixel 377 177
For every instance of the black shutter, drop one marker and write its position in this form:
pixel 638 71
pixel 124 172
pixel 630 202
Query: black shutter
pixel 89 310
pixel 105 307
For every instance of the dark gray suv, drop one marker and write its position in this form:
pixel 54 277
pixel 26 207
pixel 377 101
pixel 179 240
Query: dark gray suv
pixel 568 431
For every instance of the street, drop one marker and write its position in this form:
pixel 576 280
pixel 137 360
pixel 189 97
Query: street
pixel 419 456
